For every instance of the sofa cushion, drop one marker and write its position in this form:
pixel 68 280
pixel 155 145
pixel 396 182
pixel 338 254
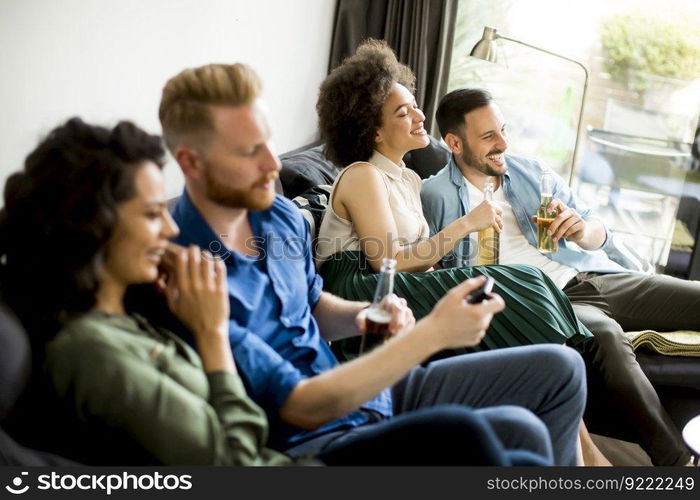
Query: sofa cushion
pixel 14 359
pixel 312 205
pixel 671 371
pixel 429 160
pixel 306 167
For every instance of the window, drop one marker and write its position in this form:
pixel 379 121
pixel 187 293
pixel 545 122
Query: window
pixel 640 115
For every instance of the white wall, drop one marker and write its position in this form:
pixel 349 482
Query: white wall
pixel 106 60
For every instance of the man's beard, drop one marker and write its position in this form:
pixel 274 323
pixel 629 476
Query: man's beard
pixel 482 166
pixel 238 198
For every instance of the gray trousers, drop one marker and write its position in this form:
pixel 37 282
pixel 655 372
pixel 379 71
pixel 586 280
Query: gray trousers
pixel 609 304
pixel 529 408
pixel 497 382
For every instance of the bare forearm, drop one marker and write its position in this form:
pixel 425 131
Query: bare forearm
pixel 427 253
pixel 453 322
pixel 336 316
pixel 323 398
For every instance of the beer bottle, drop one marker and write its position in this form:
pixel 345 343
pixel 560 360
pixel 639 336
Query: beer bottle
pixel 489 239
pixel 378 318
pixel 545 243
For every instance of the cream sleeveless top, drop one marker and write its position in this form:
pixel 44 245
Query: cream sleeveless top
pixel 403 191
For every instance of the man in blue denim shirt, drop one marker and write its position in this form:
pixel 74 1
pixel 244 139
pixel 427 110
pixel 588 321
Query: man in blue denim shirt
pixel 593 271
pixel 281 320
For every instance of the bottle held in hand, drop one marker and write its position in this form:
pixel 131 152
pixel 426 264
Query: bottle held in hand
pixel 545 243
pixel 378 318
pixel 489 239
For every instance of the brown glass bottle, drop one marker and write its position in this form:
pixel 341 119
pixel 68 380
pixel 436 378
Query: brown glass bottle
pixel 378 318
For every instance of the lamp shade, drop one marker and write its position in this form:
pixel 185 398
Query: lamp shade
pixel 486 48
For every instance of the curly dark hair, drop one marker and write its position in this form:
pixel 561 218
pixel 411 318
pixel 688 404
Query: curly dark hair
pixel 60 212
pixel 350 101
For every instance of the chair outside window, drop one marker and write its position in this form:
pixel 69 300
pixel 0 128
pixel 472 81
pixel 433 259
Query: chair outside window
pixel 645 192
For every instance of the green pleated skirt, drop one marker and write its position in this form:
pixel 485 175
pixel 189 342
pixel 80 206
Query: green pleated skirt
pixel 536 312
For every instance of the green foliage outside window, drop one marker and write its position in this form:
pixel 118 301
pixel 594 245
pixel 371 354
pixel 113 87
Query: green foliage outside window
pixel 636 45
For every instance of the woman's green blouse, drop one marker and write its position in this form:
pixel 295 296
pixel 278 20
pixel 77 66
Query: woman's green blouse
pixel 118 372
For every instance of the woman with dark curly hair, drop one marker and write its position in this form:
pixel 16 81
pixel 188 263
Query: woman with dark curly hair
pixel 85 219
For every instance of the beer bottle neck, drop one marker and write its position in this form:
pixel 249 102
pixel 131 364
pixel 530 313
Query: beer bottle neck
pixel 488 191
pixel 385 286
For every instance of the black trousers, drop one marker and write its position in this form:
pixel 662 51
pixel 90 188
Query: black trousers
pixel 14 454
pixel 609 304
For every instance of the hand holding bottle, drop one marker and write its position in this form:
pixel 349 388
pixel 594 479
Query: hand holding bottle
pixel 486 214
pixel 489 238
pixel 388 316
pixel 568 223
pixel 394 313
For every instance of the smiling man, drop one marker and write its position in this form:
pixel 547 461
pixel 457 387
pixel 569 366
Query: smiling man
pixel 607 297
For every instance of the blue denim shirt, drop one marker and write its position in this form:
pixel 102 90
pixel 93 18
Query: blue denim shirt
pixel 274 336
pixel 445 198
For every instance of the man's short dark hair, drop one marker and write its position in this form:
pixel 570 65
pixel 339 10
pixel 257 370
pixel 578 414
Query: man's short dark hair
pixel 452 108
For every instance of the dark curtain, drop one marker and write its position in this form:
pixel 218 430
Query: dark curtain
pixel 695 150
pixel 421 33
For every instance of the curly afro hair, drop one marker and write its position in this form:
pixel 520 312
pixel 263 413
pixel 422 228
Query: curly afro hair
pixel 350 101
pixel 60 211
